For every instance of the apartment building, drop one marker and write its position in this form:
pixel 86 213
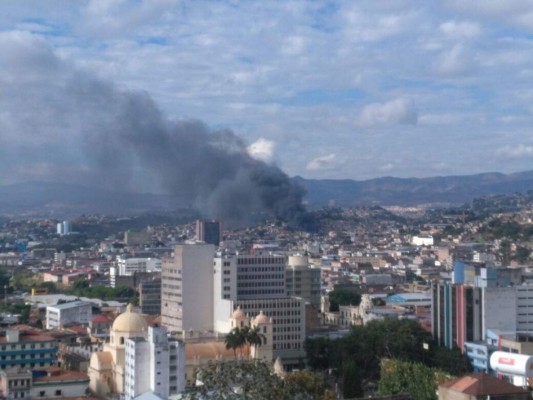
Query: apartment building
pixel 154 364
pixel 187 288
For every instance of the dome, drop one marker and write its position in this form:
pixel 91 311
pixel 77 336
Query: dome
pixel 130 321
pixel 238 314
pixel 261 319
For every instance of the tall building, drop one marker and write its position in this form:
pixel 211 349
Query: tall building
pixel 209 232
pixel 64 228
pixel 462 313
pixel 150 296
pixel 154 364
pixel 256 284
pixel 187 288
pixel 303 280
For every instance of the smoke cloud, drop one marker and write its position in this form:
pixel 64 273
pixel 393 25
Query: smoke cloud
pixel 70 126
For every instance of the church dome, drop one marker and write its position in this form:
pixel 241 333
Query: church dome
pixel 261 319
pixel 130 321
pixel 238 314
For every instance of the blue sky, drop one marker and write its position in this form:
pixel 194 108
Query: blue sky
pixel 338 89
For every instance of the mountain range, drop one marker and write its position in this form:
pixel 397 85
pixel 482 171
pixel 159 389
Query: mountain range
pixel 63 200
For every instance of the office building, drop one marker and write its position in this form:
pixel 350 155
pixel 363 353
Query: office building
pixel 303 280
pixel 150 296
pixel 209 232
pixel 73 313
pixel 187 288
pixel 256 284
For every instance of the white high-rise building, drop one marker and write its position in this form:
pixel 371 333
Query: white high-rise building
pixel 63 228
pixel 154 364
pixel 187 288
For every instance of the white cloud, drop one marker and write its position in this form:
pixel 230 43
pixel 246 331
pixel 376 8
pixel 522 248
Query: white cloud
pixel 387 167
pixel 460 29
pixel 517 13
pixel 398 111
pixel 454 62
pixel 262 150
pixel 516 151
pixel 322 163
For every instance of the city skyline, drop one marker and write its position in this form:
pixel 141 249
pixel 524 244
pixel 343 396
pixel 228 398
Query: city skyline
pixel 323 90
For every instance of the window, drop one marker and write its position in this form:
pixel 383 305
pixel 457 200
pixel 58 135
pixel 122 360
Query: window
pixel 58 392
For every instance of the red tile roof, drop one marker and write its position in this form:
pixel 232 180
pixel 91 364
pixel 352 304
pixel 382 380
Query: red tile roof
pixel 481 384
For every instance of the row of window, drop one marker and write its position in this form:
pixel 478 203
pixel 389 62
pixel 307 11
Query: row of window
pixel 260 284
pixel 260 291
pixel 252 276
pixel 261 260
pixel 24 346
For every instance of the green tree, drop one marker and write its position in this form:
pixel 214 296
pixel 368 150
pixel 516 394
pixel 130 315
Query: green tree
pixel 352 385
pixel 415 379
pixel 343 297
pixel 240 380
pixel 311 383
pixel 233 341
pixel 522 254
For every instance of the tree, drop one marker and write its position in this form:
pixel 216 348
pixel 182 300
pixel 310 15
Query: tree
pixel 311 383
pixel 240 379
pixel 233 341
pixel 343 297
pixel 522 254
pixel 351 380
pixel 415 379
pixel 238 338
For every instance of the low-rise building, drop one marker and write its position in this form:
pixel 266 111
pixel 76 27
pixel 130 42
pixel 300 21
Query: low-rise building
pixel 76 312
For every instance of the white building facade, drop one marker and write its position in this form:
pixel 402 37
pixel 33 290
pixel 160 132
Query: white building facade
pixel 187 288
pixel 76 312
pixel 154 364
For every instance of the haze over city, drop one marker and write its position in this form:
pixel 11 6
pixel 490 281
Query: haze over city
pixel 321 89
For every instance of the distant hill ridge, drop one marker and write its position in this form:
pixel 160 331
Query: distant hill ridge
pixel 388 191
pixel 58 199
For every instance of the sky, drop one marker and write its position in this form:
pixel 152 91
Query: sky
pixel 322 89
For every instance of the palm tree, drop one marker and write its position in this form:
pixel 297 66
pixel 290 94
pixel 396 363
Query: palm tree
pixel 255 337
pixel 233 340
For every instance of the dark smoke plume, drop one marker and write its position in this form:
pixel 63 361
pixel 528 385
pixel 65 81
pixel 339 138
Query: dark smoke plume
pixel 123 140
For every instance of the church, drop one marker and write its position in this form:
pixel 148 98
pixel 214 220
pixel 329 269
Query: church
pixel 113 372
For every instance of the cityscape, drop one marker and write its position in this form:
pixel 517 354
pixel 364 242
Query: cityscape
pixel 266 200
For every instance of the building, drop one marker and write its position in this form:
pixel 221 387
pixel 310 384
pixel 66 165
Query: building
pixel 154 364
pixel 136 238
pixel 464 313
pixel 132 267
pixel 16 383
pixel 200 350
pixel 209 232
pixel 27 349
pixel 187 288
pixel 54 382
pixel 107 367
pixel 150 296
pixel 257 283
pixel 480 386
pixel 422 240
pixel 73 313
pixel 303 280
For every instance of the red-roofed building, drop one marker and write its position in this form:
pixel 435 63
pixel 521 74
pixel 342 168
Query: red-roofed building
pixel 27 350
pixel 481 386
